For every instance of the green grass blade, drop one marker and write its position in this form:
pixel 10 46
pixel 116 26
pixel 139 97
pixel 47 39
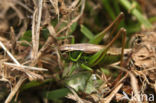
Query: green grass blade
pixel 67 37
pixel 116 6
pixel 152 19
pixel 56 94
pixel 73 28
pixel 136 13
pixel 34 84
pixel 109 9
pixel 87 32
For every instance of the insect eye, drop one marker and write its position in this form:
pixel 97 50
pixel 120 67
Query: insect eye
pixel 138 41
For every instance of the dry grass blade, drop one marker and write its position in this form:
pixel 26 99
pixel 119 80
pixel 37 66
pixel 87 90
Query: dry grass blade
pixel 25 67
pixel 31 75
pixel 74 4
pixel 24 6
pixel 155 87
pixel 43 42
pixel 59 58
pixel 134 83
pixel 36 29
pixel 75 19
pixel 10 55
pixel 55 5
pixel 20 15
pixel 13 39
pixel 76 97
pixel 52 30
pixel 15 89
pixel 23 29
pixel 47 43
pixel 113 93
pixel 152 68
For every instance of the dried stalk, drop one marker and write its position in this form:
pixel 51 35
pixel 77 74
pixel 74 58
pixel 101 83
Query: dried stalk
pixel 55 5
pixel 47 43
pixel 10 55
pixel 30 74
pixel 36 29
pixel 26 67
pixel 113 93
pixel 75 19
pixel 134 82
pixel 15 89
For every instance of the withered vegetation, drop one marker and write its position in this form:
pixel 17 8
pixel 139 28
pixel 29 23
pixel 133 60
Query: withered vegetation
pixel 49 51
